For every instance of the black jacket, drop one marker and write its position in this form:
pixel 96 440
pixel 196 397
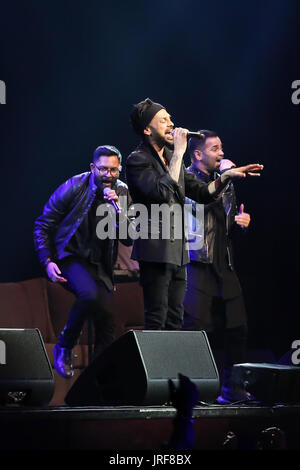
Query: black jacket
pixel 226 204
pixel 63 214
pixel 149 183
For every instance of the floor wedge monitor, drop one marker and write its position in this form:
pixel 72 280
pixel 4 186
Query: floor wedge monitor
pixel 135 369
pixel 26 376
pixel 269 383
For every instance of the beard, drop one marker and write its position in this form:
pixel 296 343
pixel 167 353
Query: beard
pixel 169 145
pixel 103 182
pixel 162 140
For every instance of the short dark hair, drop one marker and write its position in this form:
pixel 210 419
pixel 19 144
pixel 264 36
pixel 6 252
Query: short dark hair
pixel 142 113
pixel 106 151
pixel 198 144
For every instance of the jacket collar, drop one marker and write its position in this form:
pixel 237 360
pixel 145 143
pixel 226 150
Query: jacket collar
pixel 92 183
pixel 167 153
pixel 203 176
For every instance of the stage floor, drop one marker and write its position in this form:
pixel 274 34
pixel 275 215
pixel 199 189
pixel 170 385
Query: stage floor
pixel 133 428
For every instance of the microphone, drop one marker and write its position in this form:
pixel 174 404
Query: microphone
pixel 196 134
pixel 112 201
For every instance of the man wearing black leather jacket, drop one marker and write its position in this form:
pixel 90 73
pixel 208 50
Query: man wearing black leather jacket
pixel 214 299
pixel 75 253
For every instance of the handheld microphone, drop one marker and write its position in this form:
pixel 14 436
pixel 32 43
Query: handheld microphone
pixel 112 201
pixel 196 134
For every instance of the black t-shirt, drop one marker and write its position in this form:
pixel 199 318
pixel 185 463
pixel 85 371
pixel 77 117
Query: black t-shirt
pixel 87 245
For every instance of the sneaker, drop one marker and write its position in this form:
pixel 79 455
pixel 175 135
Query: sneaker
pixel 63 361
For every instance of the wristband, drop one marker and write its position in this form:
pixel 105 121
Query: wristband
pixel 221 182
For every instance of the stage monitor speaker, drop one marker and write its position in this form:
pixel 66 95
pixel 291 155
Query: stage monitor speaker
pixel 269 383
pixel 135 369
pixel 26 376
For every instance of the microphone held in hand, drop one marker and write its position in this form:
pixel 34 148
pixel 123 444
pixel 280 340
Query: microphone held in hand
pixel 112 201
pixel 196 135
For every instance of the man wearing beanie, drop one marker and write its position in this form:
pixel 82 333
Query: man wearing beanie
pixel 156 176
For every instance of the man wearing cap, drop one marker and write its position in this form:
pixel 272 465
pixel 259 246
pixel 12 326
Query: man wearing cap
pixel 72 253
pixel 156 176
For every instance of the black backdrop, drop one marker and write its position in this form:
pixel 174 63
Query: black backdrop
pixel 72 71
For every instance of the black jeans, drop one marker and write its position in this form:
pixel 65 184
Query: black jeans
pixel 164 287
pixel 225 322
pixel 93 301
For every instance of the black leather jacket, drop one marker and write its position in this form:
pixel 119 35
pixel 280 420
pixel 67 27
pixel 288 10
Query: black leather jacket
pixel 63 214
pixel 228 200
pixel 149 183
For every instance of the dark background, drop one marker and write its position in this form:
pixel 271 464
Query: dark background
pixel 73 69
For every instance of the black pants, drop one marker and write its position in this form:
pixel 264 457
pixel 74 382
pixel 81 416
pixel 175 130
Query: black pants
pixel 164 287
pixel 224 320
pixel 93 301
